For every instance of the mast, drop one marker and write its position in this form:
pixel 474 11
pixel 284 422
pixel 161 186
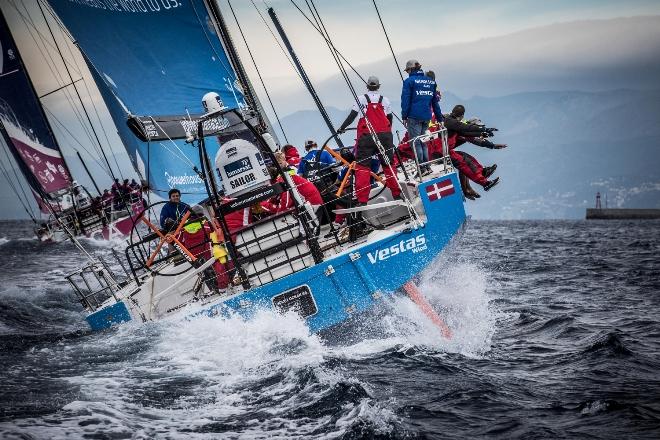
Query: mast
pixel 303 75
pixel 237 64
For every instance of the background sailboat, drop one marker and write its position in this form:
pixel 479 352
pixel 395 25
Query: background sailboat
pixel 32 141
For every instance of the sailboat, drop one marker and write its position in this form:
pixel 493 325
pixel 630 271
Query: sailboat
pixel 66 206
pixel 286 262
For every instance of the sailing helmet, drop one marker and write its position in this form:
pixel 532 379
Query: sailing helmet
pixel 212 103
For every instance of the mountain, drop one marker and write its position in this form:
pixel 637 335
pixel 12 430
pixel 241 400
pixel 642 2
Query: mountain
pixel 563 148
pixel 593 55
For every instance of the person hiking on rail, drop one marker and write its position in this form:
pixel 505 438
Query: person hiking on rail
pixel 460 131
pixel 418 97
pixel 375 111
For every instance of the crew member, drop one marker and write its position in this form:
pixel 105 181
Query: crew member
pixel 418 98
pixel 172 211
pixel 291 154
pixel 198 237
pixel 465 163
pixel 316 162
pixel 285 201
pixel 376 116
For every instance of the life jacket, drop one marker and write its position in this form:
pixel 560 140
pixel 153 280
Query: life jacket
pixel 374 112
pixel 203 241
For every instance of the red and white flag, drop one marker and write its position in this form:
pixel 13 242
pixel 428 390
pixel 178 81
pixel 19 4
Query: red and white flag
pixel 439 190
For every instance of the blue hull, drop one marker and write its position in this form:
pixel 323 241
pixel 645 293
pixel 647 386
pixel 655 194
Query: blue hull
pixel 329 293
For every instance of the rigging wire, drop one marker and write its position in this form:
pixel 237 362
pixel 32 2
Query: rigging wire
pixel 55 73
pixel 317 17
pixel 59 51
pixel 96 112
pixel 270 30
pixel 100 164
pixel 27 18
pixel 78 70
pixel 203 26
pixel 396 63
pixel 23 200
pixel 263 84
pixel 317 28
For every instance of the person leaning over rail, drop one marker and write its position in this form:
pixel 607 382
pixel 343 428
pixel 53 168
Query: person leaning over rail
pixel 458 131
pixel 173 211
pixel 419 98
pixel 376 115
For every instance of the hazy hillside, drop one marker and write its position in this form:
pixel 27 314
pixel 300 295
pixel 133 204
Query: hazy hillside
pixel 566 56
pixel 564 146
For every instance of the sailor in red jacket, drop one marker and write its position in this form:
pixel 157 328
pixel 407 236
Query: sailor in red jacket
pixel 375 111
pixel 284 201
pixel 199 237
pixel 291 154
pixel 466 164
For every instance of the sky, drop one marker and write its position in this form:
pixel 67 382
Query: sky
pixel 353 26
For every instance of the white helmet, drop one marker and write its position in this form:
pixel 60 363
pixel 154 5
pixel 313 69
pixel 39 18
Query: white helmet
pixel 212 103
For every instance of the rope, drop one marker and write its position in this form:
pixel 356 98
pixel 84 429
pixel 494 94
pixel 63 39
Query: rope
pixel 396 63
pixel 270 30
pixel 317 29
pixel 23 200
pixel 91 126
pixel 263 84
pixel 411 211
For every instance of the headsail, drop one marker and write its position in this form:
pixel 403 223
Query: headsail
pixel 25 127
pixel 155 59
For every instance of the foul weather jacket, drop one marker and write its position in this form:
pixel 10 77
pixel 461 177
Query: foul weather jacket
pixel 172 210
pixel 456 127
pixel 418 97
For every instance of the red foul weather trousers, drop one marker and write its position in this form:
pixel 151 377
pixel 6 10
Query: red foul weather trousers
pixel 363 182
pixel 469 166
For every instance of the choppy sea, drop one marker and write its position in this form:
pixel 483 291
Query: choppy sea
pixel 556 335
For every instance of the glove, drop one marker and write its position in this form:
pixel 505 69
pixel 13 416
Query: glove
pixel 499 146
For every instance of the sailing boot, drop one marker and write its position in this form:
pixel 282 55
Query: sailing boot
pixel 491 183
pixel 488 171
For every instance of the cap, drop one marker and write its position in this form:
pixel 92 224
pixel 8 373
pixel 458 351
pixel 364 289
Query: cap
pixel 411 64
pixel 373 81
pixel 309 143
pixel 431 74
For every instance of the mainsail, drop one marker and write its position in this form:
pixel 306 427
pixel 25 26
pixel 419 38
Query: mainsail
pixel 155 58
pixel 24 125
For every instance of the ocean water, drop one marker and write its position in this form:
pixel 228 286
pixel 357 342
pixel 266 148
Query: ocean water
pixel 556 335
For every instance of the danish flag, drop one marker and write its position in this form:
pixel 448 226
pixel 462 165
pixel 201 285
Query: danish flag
pixel 439 190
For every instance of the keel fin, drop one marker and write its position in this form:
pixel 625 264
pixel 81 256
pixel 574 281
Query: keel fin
pixel 417 297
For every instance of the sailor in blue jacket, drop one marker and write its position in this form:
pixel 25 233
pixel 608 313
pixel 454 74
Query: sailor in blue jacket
pixel 173 211
pixel 314 161
pixel 418 96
